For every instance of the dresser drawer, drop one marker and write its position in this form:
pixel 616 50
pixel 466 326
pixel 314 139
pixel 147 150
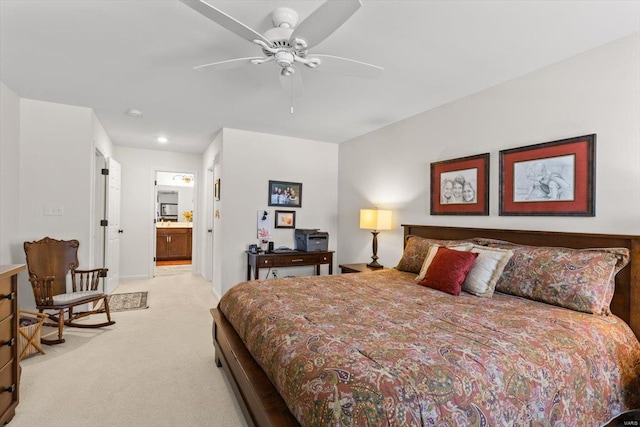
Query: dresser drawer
pixel 6 297
pixel 8 387
pixel 7 340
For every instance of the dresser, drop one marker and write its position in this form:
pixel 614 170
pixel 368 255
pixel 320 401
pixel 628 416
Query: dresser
pixel 9 375
pixel 289 259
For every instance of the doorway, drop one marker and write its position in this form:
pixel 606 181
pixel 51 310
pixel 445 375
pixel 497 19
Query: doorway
pixel 174 212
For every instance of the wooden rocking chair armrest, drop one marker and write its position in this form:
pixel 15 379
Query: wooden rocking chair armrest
pixel 102 272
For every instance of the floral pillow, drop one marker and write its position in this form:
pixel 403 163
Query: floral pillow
pixel 578 279
pixel 415 251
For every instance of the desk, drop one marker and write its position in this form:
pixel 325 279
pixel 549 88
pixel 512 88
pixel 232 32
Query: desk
pixel 287 259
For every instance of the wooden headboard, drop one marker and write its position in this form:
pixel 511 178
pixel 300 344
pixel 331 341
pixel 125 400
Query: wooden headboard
pixel 626 300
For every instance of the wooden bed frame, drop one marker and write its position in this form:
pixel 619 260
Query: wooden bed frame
pixel 262 405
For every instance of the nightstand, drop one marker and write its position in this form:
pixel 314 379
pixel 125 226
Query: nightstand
pixel 357 268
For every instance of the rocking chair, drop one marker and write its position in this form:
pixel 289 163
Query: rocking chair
pixel 49 261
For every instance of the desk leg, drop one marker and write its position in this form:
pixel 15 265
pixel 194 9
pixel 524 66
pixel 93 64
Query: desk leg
pixel 257 272
pixel 330 268
pixel 248 271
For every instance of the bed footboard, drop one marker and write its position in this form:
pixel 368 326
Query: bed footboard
pixel 259 400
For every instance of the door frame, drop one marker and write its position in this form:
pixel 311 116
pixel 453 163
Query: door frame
pixel 152 212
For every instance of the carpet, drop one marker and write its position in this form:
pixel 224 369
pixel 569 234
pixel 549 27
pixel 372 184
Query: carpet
pixel 128 301
pixel 170 270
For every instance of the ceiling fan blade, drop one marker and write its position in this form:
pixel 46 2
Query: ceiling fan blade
pixel 228 64
pixel 347 67
pixel 324 21
pixel 292 84
pixel 228 22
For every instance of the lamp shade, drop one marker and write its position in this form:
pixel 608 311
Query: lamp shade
pixel 375 219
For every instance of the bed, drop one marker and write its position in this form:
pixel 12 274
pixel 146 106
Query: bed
pixel 320 358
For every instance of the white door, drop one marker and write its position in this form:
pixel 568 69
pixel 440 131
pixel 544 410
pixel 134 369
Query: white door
pixel 112 258
pixel 208 258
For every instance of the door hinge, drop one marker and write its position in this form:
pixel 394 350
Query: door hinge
pixel 105 171
pixel 154 259
pixel 104 223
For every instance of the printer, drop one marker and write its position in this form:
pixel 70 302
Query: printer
pixel 311 240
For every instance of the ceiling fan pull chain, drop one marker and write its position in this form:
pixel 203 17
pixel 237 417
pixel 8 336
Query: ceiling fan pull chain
pixel 291 96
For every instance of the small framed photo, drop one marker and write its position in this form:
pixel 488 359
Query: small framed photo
pixel 285 219
pixel 460 186
pixel 550 179
pixel 216 189
pixel 282 193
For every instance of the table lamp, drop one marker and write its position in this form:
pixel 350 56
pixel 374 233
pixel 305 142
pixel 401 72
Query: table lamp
pixel 376 220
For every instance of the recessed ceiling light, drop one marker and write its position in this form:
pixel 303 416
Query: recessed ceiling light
pixel 133 112
pixel 162 139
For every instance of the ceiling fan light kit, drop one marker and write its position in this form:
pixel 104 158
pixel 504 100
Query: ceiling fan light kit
pixel 287 43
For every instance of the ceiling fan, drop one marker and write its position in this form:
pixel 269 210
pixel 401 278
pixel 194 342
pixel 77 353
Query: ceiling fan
pixel 287 44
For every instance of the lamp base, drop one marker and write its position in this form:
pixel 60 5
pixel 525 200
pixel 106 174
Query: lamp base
pixel 375 264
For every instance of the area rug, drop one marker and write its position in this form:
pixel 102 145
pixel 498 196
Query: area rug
pixel 128 301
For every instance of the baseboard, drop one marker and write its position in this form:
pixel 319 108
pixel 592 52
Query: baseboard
pixel 136 277
pixel 215 294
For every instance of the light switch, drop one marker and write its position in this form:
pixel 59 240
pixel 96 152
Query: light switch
pixel 53 210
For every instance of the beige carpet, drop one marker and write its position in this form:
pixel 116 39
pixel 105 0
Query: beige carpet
pixel 171 270
pixel 154 367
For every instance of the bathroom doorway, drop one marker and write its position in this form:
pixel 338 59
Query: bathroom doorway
pixel 174 212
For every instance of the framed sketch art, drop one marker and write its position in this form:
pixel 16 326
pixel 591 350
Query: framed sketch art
pixel 550 179
pixel 460 186
pixel 282 193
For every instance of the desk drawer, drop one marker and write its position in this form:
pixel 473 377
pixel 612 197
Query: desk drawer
pixel 301 259
pixel 265 262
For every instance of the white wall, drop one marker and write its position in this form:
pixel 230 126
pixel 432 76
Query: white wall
pixel 252 159
pixel 10 243
pixel 210 251
pixel 594 92
pixel 138 204
pixel 57 168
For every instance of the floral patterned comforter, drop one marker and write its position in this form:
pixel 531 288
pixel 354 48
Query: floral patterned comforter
pixel 376 349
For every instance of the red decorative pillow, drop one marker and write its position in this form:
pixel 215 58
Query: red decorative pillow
pixel 448 270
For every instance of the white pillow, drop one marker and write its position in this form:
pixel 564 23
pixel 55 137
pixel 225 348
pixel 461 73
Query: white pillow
pixel 486 270
pixel 431 253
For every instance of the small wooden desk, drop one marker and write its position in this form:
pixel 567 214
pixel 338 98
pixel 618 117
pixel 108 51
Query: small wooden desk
pixel 287 259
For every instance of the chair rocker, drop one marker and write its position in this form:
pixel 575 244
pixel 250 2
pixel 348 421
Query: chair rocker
pixel 49 261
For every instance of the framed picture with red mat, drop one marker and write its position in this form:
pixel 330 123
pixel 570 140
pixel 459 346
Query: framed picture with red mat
pixel 460 186
pixel 554 178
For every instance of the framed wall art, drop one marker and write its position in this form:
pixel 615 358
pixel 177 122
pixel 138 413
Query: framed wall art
pixel 554 178
pixel 460 186
pixel 285 219
pixel 282 193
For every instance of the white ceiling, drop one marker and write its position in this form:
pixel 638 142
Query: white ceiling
pixel 115 55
